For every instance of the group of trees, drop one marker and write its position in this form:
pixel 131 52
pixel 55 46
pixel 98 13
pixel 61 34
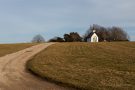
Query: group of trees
pixel 72 37
pixel 108 34
pixel 56 39
pixel 104 34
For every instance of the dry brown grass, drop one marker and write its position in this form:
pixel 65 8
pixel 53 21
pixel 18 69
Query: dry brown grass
pixel 92 66
pixel 10 48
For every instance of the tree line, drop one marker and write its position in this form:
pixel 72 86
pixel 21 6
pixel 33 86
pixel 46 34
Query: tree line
pixel 104 33
pixel 108 33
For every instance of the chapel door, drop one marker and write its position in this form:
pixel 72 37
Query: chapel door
pixel 95 39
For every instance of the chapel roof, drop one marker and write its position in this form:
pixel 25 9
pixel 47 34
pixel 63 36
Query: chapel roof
pixel 89 36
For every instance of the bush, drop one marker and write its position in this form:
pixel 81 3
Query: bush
pixel 56 39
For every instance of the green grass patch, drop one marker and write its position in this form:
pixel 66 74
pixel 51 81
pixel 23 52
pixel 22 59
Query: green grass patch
pixel 90 66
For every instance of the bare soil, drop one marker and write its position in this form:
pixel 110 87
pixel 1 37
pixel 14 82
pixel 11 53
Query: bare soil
pixel 14 76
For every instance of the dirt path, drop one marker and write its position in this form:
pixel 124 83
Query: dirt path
pixel 14 76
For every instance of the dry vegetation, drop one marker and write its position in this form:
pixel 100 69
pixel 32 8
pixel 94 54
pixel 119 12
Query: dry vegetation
pixel 98 66
pixel 10 48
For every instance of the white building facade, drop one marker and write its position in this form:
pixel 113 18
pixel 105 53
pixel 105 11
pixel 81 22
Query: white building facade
pixel 93 37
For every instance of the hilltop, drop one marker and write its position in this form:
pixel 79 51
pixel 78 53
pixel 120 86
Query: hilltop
pixel 88 65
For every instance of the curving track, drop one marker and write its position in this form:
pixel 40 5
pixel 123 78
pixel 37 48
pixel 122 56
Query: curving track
pixel 14 76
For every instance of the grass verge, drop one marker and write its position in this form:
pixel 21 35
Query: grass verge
pixel 11 48
pixel 90 66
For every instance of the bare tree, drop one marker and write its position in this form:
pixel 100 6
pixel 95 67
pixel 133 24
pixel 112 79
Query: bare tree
pixel 38 39
pixel 108 33
pixel 101 31
pixel 118 34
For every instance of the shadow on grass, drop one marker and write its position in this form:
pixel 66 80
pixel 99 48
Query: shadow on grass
pixel 65 85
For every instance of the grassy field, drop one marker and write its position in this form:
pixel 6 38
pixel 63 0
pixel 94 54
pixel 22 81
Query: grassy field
pixel 10 48
pixel 92 66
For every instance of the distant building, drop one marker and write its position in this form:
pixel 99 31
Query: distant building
pixel 93 37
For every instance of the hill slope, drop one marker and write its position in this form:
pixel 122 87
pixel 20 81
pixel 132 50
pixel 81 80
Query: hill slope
pixel 88 65
pixel 11 48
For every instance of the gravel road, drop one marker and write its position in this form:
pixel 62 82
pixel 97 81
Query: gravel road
pixel 14 76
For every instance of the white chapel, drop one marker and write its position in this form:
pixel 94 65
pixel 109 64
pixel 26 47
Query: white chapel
pixel 93 37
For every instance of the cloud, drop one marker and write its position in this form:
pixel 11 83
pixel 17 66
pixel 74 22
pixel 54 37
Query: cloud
pixel 56 17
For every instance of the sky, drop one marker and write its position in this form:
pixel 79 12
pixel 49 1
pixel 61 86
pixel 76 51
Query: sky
pixel 21 20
